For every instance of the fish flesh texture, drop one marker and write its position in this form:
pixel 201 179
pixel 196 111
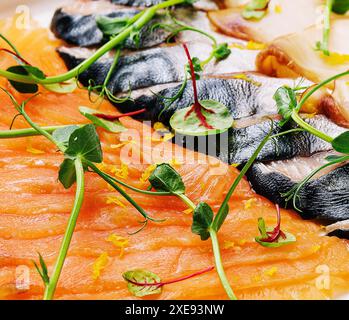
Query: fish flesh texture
pixel 325 197
pixel 282 18
pixel 35 210
pixel 151 67
pixel 294 55
pixel 82 30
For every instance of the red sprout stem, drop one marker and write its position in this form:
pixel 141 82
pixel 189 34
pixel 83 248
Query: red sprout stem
pixel 193 77
pixel 112 117
pixel 161 284
pixel 197 107
pixel 276 233
pixel 15 55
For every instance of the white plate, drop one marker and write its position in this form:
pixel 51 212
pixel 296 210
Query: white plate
pixel 42 12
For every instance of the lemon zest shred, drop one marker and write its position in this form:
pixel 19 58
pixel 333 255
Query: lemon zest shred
pixel 228 244
pixel 335 58
pixel 315 248
pixel 271 272
pixel 188 211
pixel 115 200
pixel 278 8
pixel 118 241
pixel 34 150
pixel 99 264
pixel 121 172
pixel 147 173
pixel 252 45
pixel 249 203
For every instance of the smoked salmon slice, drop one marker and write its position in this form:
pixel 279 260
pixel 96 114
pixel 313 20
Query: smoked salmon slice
pixel 35 207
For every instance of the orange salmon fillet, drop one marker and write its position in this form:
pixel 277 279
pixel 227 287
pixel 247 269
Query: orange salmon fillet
pixel 34 210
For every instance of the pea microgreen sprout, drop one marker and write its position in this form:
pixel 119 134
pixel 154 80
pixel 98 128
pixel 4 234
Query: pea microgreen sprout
pixel 339 7
pixel 81 147
pixel 203 117
pixel 289 108
pixel 144 283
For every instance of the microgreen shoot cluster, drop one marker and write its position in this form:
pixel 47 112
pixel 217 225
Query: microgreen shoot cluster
pixel 339 7
pixel 289 108
pixel 203 117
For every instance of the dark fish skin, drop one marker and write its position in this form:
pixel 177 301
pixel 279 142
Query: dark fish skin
pixel 142 69
pixel 244 98
pixel 82 30
pixel 242 142
pixel 324 198
pixel 147 68
pixel 137 3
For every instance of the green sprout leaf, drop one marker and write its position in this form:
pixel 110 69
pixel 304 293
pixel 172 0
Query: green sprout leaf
pixel 84 143
pixel 67 173
pixel 142 283
pixel 217 116
pixel 165 178
pixel 341 143
pixel 340 6
pixel 113 126
pixel 42 270
pixel 197 67
pixel 255 9
pixel 286 102
pixel 221 51
pixel 219 219
pixel 279 242
pixel 62 135
pixel 112 26
pixel 202 219
pixel 62 87
pixel 24 87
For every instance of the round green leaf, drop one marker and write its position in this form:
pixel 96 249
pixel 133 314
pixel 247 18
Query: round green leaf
pixel 341 143
pixel 220 119
pixel 139 282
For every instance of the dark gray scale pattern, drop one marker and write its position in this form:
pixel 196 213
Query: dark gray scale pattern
pixel 241 97
pixel 82 30
pixel 137 3
pixel 242 142
pixel 139 70
pixel 324 198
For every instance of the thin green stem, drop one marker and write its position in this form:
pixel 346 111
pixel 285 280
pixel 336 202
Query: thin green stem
pixel 219 265
pixel 309 128
pixel 186 200
pixel 111 182
pixel 319 86
pixel 12 46
pixel 40 130
pixel 79 197
pixel 28 132
pixel 217 221
pixel 152 193
pixel 120 38
pixel 327 27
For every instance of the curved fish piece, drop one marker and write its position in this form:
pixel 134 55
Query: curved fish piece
pixel 282 18
pixel 245 94
pixel 82 29
pixel 242 142
pixel 152 67
pixel 324 197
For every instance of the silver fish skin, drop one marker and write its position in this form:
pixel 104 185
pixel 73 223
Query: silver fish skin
pixel 151 67
pixel 325 197
pixel 82 30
